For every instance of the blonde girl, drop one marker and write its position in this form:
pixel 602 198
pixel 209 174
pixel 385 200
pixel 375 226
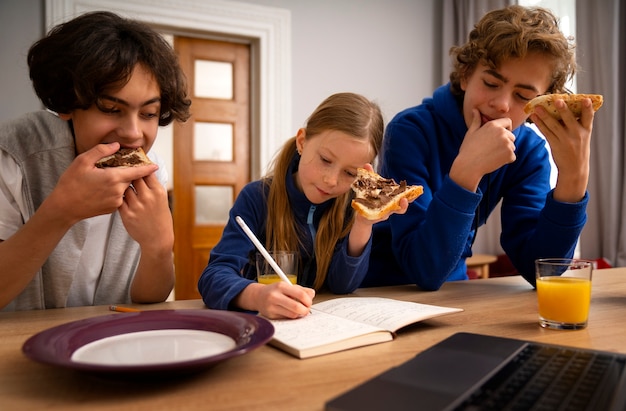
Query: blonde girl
pixel 303 205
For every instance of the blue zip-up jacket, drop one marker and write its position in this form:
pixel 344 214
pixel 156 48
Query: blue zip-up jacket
pixel 428 245
pixel 231 265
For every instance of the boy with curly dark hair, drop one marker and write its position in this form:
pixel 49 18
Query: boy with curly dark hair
pixel 73 234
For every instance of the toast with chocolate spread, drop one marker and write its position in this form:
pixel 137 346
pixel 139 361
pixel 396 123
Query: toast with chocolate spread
pixel 125 157
pixel 377 196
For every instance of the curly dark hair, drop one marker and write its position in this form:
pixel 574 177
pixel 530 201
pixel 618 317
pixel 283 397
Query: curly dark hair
pixel 515 32
pixel 78 60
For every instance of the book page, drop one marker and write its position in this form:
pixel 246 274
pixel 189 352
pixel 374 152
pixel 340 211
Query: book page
pixel 382 312
pixel 317 329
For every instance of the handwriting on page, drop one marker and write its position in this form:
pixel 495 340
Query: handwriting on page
pixel 318 328
pixel 381 312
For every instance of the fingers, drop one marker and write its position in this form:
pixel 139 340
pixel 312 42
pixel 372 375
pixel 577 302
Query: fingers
pixel 567 117
pixel 91 156
pixel 130 190
pixel 283 300
pixel 150 181
pixel 567 132
pixel 148 191
pixel 476 121
pixel 310 292
pixel 544 120
pixel 139 185
pixel 587 115
pixel 102 150
pixel 146 188
pixel 404 205
pixel 298 294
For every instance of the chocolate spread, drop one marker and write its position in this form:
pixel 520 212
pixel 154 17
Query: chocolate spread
pixel 375 193
pixel 123 157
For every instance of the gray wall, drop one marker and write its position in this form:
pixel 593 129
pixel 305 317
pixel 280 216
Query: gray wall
pixel 387 50
pixel 21 24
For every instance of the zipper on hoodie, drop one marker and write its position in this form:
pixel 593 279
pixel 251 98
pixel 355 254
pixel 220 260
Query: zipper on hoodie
pixel 309 222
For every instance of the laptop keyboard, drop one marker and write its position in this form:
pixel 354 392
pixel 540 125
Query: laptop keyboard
pixel 549 378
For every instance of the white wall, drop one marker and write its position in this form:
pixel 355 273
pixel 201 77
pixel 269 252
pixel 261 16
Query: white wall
pixel 384 49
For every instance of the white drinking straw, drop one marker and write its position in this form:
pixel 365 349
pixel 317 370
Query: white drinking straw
pixel 262 249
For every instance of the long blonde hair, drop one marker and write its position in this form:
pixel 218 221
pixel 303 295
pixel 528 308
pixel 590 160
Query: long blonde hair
pixel 352 114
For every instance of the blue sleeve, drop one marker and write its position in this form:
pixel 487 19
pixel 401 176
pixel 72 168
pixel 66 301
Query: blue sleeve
pixel 224 277
pixel 534 225
pixel 346 273
pixel 555 234
pixel 429 240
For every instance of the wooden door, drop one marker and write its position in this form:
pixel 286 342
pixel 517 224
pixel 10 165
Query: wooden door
pixel 211 152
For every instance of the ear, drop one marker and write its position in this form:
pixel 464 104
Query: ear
pixel 65 117
pixel 463 83
pixel 300 139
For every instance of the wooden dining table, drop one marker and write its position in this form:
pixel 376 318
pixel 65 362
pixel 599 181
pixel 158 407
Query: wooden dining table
pixel 269 379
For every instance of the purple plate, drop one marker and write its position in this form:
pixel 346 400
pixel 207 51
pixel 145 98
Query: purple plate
pixel 150 341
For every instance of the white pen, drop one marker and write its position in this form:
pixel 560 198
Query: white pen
pixel 262 250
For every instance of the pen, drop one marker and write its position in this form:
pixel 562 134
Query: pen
pixel 123 309
pixel 262 249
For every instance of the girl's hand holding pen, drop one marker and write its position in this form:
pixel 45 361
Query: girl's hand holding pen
pixel 278 300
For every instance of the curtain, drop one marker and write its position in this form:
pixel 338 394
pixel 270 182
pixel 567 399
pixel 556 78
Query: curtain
pixel 458 19
pixel 601 58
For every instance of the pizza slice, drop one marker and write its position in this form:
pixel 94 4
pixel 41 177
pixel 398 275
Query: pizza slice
pixel 573 101
pixel 125 157
pixel 376 196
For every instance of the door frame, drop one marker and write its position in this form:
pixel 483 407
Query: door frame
pixel 268 29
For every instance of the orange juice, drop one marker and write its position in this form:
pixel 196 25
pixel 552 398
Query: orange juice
pixel 274 278
pixel 563 299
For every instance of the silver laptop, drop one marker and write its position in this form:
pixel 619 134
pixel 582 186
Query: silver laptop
pixel 479 372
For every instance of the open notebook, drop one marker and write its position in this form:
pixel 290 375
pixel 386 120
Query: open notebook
pixel 478 372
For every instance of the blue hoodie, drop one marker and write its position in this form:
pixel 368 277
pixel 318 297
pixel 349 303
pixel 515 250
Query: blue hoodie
pixel 428 245
pixel 231 265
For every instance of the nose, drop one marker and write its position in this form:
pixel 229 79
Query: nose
pixel 330 178
pixel 129 128
pixel 501 103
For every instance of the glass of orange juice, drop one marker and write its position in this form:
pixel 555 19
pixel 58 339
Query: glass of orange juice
pixel 286 260
pixel 563 292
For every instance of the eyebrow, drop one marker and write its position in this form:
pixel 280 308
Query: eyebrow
pixel 126 103
pixel 506 80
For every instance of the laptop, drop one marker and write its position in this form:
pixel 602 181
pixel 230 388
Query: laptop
pixel 478 372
